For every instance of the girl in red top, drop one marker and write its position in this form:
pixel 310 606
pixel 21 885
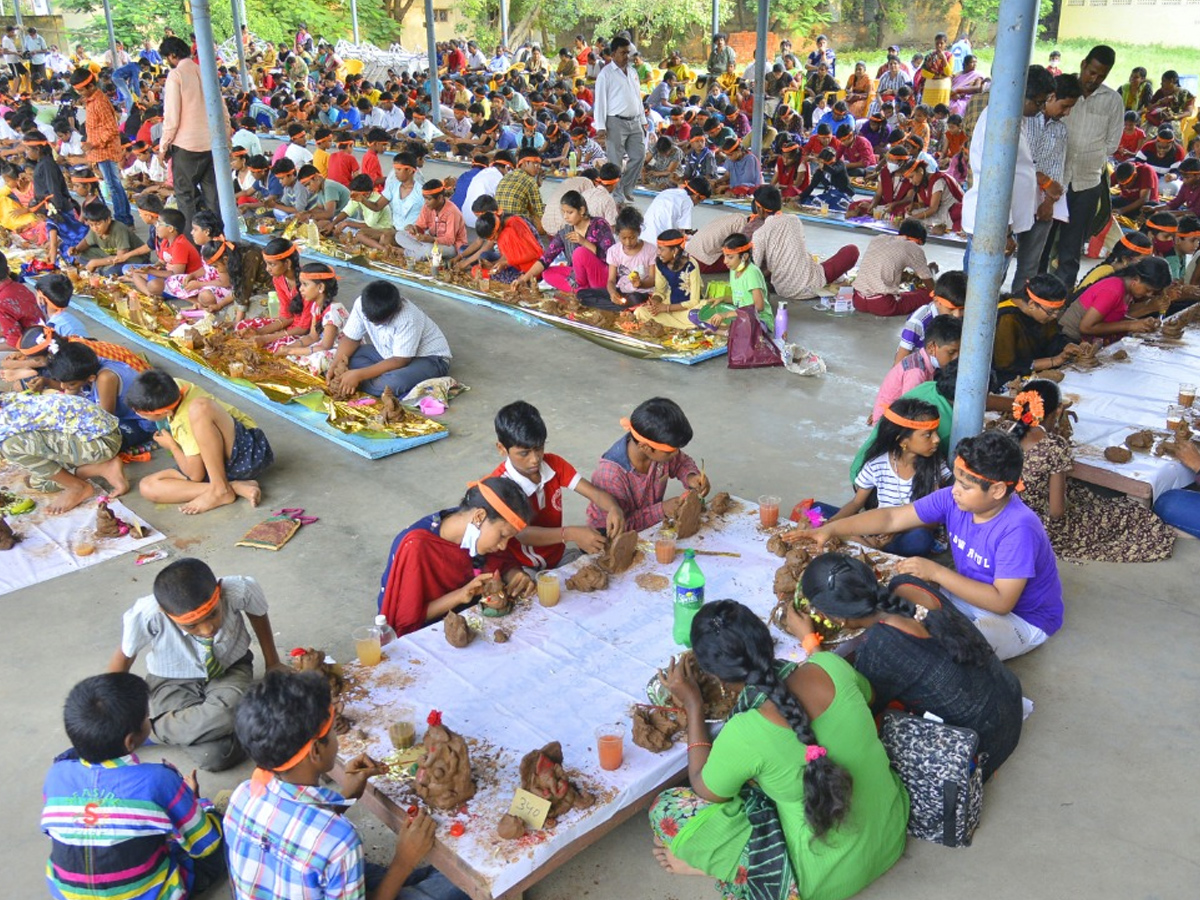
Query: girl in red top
pixel 1132 138
pixel 444 561
pixel 282 260
pixel 791 175
pixel 377 142
pixel 515 239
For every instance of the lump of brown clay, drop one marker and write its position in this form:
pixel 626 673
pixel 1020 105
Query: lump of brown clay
pixel 458 632
pixel 687 519
pixel 719 505
pixel 500 636
pixel 444 777
pixel 390 410
pixel 589 578
pixel 1117 454
pixel 8 538
pixel 1054 375
pixel 495 600
pixel 778 545
pixel 619 555
pixel 542 774
pixel 655 729
pixel 785 583
pixel 1140 440
pixel 107 524
pixel 1119 355
pixel 510 828
pixel 313 660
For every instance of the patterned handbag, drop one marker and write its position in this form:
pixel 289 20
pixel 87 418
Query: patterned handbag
pixel 939 766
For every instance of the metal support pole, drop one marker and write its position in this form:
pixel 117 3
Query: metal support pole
pixel 760 76
pixel 1014 43
pixel 504 22
pixel 354 19
pixel 435 88
pixel 214 108
pixel 716 17
pixel 20 21
pixel 243 71
pixel 112 35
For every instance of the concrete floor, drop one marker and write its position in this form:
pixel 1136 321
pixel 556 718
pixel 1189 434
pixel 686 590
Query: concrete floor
pixel 1098 802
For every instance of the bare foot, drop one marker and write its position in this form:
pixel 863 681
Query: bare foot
pixel 70 497
pixel 247 490
pixel 210 499
pixel 113 472
pixel 676 867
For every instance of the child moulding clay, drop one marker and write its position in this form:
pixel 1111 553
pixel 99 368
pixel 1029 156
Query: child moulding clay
pixel 619 555
pixel 542 774
pixel 309 659
pixel 443 778
pixel 687 518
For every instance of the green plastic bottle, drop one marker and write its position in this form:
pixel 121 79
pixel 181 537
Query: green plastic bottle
pixel 689 597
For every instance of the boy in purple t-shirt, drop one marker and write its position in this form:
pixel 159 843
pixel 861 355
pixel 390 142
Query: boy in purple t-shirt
pixel 1005 576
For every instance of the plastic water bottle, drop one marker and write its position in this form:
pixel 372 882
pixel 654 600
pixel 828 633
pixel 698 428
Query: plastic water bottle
pixel 387 633
pixel 572 163
pixel 435 259
pixel 689 597
pixel 781 321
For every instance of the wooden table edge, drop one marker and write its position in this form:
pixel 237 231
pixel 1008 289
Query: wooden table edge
pixel 1098 475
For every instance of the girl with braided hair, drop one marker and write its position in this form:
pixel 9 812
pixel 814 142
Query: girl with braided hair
pixel 797 768
pixel 917 649
pixel 1080 523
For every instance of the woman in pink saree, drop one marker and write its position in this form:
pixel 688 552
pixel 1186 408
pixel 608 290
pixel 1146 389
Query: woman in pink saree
pixel 965 85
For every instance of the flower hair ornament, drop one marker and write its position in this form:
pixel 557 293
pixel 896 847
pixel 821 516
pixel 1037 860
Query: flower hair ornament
pixel 1029 408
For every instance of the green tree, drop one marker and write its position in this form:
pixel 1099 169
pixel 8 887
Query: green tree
pixel 981 13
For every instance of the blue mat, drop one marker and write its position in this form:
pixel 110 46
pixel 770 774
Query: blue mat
pixel 310 420
pixel 531 318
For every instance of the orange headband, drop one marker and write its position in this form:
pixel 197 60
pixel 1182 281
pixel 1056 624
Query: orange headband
pixel 653 445
pixel 745 248
pixel 85 179
pixel 788 148
pixel 1165 229
pixel 502 162
pixel 46 341
pixel 219 252
pixel 607 180
pixel 200 612
pixel 275 257
pixel 319 276
pixel 673 242
pixel 36 143
pixel 307 179
pixel 90 78
pixel 1187 234
pixel 1130 245
pixel 236 151
pixel 166 409
pixel 150 213
pixel 693 190
pixel 1132 175
pixel 433 192
pixel 1018 485
pixel 349 143
pixel 1042 301
pixel 261 776
pixel 499 506
pixel 914 424
pixel 944 303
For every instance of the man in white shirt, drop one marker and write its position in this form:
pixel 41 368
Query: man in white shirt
pixel 35 46
pixel 386 115
pixel 485 184
pixel 11 52
pixel 620 118
pixel 1093 135
pixel 501 61
pixel 1039 84
pixel 475 59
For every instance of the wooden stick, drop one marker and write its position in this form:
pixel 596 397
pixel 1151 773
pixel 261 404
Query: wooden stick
pixel 716 553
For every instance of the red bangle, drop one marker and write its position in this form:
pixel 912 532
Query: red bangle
pixel 698 744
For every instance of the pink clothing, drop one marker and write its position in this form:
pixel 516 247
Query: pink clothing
pixel 1107 297
pixel 446 225
pixel 914 369
pixel 587 268
pixel 641 262
pixel 185 122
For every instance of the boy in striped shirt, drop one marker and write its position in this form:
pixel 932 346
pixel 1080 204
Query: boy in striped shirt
pixel 119 827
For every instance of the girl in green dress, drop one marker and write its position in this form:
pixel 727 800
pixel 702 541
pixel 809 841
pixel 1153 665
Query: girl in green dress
pixel 795 797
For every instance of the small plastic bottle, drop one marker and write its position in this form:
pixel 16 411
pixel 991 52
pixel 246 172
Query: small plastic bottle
pixel 387 633
pixel 781 321
pixel 435 259
pixel 572 163
pixel 689 597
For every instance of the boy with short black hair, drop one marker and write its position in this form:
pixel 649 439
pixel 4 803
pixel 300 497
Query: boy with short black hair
pixel 78 371
pixel 218 449
pixel 198 656
pixel 120 827
pixel 439 221
pixel 942 340
pixel 53 294
pixel 521 439
pixel 949 299
pixel 285 723
pixel 635 470
pixel 1005 576
pixel 109 244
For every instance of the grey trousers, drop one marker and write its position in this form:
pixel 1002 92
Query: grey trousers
pixel 625 138
pixel 1030 245
pixel 197 714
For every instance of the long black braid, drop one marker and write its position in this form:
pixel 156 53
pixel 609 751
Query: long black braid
pixel 733 644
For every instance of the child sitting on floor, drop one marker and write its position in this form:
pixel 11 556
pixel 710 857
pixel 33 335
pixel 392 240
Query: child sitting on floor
pixel 19 308
pixel 109 244
pixel 630 267
pixel 748 285
pixel 113 819
pixel 286 724
pixel 62 441
pixel 879 285
pixel 16 216
pixel 367 218
pixel 179 259
pixel 521 440
pixel 635 470
pixel 942 340
pixel 198 656
pixel 282 261
pixel 54 296
pixel 439 221
pixel 1005 576
pixel 903 464
pixel 949 299
pixel 79 371
pixel 214 287
pixel 406 346
pixel 445 561
pixel 218 449
pixel 678 287
pixel 316 350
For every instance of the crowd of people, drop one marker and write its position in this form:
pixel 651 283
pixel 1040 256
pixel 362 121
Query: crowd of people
pixel 800 759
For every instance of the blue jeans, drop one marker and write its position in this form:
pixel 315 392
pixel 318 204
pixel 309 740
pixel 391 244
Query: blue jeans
pixel 917 542
pixel 116 191
pixel 425 883
pixel 127 87
pixel 1180 509
pixel 401 381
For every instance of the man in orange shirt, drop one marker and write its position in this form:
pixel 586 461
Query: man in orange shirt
pixel 103 145
pixel 186 140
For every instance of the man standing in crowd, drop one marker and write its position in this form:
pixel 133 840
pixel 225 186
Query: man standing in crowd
pixel 620 117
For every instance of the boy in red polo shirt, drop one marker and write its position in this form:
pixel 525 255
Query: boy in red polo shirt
pixel 342 164
pixel 377 142
pixel 521 439
pixel 1137 186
